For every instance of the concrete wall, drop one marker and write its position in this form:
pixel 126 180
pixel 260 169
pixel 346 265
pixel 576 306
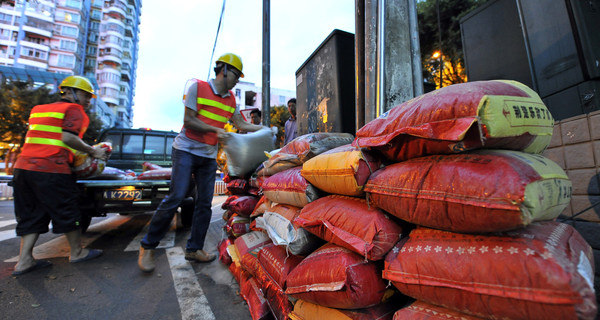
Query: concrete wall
pixel 575 146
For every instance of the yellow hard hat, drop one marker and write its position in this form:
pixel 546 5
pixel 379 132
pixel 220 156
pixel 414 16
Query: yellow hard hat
pixel 78 82
pixel 233 60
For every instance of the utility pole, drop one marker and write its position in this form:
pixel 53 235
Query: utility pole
pixel 266 64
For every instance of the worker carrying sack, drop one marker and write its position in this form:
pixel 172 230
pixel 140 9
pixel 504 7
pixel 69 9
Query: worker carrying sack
pixel 479 191
pixel 86 166
pixel 497 114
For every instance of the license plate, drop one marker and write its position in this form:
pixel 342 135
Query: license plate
pixel 123 194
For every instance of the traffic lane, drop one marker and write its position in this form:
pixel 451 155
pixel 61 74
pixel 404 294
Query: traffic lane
pixel 109 286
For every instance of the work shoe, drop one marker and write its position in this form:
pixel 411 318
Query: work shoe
pixel 146 260
pixel 199 256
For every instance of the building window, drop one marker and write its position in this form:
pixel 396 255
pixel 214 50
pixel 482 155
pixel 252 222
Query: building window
pixel 238 93
pixel 67 16
pixel 69 31
pixel 91 50
pixel 90 62
pixel 68 45
pixel 75 4
pixel 66 61
pixel 96 14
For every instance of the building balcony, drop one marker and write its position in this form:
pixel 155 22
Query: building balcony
pixel 109 57
pixel 34 45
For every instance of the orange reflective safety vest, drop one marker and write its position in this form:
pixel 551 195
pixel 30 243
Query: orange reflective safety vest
pixel 212 110
pixel 44 137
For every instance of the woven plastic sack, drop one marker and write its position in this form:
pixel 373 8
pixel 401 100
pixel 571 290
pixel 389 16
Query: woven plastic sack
pixel 243 205
pixel 350 223
pixel 245 152
pixel 420 310
pixel 281 229
pixel 86 166
pixel 544 271
pixel 302 148
pixel 236 225
pixel 224 256
pixel 498 114
pixel 304 310
pixel 480 191
pixel 150 166
pixel 290 187
pixel 237 186
pixel 278 301
pixel 277 263
pixel 343 170
pixel 158 174
pixel 336 277
pixel 263 205
pixel 257 304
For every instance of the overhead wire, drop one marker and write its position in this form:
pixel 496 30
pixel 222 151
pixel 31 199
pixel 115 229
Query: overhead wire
pixel 216 38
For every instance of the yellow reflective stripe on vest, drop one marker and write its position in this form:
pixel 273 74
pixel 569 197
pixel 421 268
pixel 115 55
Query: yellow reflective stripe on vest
pixel 46 128
pixel 213 116
pixel 56 115
pixel 48 141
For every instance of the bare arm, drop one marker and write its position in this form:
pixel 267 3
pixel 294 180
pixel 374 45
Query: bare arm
pixel 239 122
pixel 76 143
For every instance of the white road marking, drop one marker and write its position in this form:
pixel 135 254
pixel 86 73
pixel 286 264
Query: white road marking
pixel 59 247
pixel 167 242
pixel 192 301
pixel 5 223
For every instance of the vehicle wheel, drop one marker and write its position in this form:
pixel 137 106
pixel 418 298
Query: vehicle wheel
pixel 187 212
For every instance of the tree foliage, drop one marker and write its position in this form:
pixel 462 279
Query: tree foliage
pixel 17 98
pixel 450 13
pixel 279 115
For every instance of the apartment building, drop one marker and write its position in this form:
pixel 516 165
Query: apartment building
pixel 46 40
pixel 249 96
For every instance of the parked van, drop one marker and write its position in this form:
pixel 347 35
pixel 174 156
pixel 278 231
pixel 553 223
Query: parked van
pixel 133 147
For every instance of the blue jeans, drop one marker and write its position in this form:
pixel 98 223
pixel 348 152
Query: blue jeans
pixel 184 165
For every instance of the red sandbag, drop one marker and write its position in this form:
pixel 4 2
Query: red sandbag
pixel 237 186
pixel 227 204
pixel 257 304
pixel 352 224
pixel 236 225
pixel 336 277
pixel 244 205
pixel 277 263
pixel 420 310
pixel 251 241
pixel 146 166
pixel 480 191
pixel 497 114
pixel 159 174
pixel 278 301
pixel 289 187
pixel 224 256
pixel 544 271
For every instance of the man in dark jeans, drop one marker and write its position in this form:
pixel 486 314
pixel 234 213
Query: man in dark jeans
pixel 208 107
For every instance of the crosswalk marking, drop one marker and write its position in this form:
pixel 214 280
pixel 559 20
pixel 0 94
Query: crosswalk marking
pixel 192 301
pixel 5 223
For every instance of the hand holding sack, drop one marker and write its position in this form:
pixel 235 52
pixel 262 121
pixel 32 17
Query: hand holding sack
pixel 86 166
pixel 245 152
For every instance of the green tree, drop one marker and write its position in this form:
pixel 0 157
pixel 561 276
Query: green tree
pixel 279 115
pixel 450 13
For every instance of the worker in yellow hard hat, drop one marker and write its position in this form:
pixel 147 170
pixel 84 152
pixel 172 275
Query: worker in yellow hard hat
pixel 45 189
pixel 209 105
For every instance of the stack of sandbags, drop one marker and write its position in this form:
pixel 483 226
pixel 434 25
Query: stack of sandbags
pixel 485 243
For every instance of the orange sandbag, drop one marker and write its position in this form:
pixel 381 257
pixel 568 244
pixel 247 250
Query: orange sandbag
pixel 336 277
pixel 278 301
pixel 480 191
pixel 277 263
pixel 343 170
pixel 158 174
pixel 544 271
pixel 299 150
pixel 497 114
pixel 304 310
pixel 262 205
pixel 289 187
pixel 420 310
pixel 352 224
